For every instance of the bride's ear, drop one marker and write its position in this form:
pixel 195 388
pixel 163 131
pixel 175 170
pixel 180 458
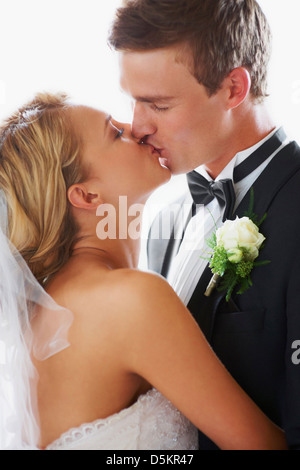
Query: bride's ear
pixel 79 196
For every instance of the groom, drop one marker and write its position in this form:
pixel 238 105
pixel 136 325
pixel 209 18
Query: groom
pixel 197 73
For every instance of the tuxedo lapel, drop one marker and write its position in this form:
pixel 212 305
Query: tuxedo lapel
pixel 272 179
pixel 204 309
pixel 267 185
pixel 168 254
pixel 176 237
pixel 163 238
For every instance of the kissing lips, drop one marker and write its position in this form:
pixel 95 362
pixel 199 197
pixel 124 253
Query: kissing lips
pixel 153 149
pixel 157 152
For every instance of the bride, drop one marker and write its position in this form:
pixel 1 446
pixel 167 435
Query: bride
pixel 134 355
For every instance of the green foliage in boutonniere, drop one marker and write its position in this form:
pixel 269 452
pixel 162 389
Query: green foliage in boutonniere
pixel 235 247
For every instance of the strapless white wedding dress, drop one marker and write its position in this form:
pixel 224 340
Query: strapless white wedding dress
pixel 151 423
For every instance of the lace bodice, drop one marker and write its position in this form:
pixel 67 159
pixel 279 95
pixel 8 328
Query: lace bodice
pixel 151 423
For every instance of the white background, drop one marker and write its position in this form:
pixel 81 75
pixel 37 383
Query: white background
pixel 60 45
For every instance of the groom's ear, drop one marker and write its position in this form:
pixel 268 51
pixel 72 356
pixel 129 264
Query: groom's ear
pixel 81 197
pixel 237 85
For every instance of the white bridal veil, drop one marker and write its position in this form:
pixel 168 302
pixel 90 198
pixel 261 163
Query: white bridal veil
pixel 31 325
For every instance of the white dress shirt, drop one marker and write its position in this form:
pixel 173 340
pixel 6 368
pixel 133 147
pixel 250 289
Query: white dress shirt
pixel 190 261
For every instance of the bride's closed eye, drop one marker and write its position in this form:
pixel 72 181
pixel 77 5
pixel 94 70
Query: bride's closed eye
pixel 119 133
pixel 116 130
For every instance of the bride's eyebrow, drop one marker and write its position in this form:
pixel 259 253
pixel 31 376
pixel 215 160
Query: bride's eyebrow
pixel 107 121
pixel 108 126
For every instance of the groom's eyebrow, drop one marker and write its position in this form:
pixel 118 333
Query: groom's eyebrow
pixel 153 98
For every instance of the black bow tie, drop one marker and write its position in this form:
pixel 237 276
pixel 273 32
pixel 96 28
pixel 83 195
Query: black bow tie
pixel 203 191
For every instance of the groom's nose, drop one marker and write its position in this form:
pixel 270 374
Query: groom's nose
pixel 142 124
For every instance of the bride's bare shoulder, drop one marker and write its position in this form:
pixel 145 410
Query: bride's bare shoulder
pixel 119 290
pixel 133 291
pixel 136 275
pixel 131 281
pixel 144 297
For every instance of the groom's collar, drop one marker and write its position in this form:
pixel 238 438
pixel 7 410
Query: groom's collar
pixel 239 157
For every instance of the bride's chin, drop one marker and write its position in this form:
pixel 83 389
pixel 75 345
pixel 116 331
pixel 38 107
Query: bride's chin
pixel 154 179
pixel 164 179
pixel 163 176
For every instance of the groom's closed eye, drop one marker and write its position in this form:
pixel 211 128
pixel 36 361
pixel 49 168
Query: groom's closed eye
pixel 155 107
pixel 157 102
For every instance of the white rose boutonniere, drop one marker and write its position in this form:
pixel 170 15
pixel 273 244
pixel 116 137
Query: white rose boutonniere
pixel 236 246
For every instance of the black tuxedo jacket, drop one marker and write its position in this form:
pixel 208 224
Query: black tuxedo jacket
pixel 254 334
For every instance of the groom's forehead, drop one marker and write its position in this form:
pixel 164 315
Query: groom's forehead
pixel 146 83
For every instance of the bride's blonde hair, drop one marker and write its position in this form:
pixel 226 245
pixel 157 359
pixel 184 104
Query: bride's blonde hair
pixel 39 160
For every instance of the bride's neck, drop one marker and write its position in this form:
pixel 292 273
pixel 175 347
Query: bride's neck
pixel 114 240
pixel 115 255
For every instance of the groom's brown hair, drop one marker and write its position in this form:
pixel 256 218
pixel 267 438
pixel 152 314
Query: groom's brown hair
pixel 221 35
